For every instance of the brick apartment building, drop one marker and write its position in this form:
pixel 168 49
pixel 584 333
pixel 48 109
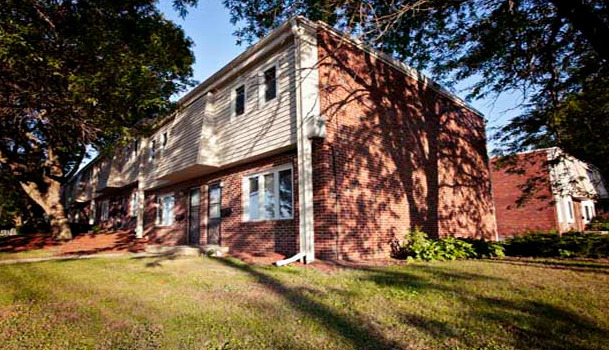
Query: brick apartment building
pixel 545 190
pixel 307 143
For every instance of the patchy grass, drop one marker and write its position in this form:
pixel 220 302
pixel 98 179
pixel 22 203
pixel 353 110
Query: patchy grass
pixel 27 254
pixel 196 303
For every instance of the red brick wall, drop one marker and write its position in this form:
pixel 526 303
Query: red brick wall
pixel 119 203
pixel 522 194
pixel 260 237
pixel 397 155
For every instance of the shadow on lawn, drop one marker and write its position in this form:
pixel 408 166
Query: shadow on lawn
pixel 529 323
pixel 25 242
pixel 571 265
pixel 356 331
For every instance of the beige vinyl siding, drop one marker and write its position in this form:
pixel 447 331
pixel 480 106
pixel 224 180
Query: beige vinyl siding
pixel 264 126
pixel 103 174
pixel 124 168
pixel 184 135
pixel 206 133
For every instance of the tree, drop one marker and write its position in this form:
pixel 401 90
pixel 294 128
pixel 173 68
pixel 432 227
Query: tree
pixel 78 73
pixel 553 51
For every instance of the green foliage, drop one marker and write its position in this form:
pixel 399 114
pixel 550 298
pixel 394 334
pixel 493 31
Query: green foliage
pixel 599 223
pixel 571 244
pixel 81 73
pixel 486 249
pixel 417 246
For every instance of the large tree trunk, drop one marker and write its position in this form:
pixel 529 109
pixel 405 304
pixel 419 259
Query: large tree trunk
pixel 583 18
pixel 50 201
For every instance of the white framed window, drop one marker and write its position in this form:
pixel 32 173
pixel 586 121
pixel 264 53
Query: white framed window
pixel 105 210
pixel 136 148
pixel 134 204
pixel 152 150
pixel 164 210
pixel 268 195
pixel 164 141
pixel 570 210
pixel 588 211
pixel 239 100
pixel 269 83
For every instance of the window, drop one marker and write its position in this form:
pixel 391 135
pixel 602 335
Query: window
pixel 570 215
pixel 268 195
pixel 133 208
pixel 164 210
pixel 165 139
pixel 240 100
pixel 588 211
pixel 152 150
pixel 105 210
pixel 270 83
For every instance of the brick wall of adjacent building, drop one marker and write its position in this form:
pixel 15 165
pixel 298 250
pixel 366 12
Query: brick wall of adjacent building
pixel 257 237
pixel 397 155
pixel 522 194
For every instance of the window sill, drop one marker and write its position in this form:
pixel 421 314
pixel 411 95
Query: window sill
pixel 264 220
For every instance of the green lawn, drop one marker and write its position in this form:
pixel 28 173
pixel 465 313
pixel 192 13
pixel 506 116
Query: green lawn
pixel 28 254
pixel 203 303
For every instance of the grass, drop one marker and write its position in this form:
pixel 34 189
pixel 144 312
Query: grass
pixel 203 303
pixel 27 254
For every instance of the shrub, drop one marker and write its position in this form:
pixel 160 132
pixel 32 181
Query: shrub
pixel 416 245
pixel 486 249
pixel 571 244
pixel 599 223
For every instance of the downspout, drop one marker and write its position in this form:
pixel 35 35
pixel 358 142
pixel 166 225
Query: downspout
pixel 141 184
pixel 307 105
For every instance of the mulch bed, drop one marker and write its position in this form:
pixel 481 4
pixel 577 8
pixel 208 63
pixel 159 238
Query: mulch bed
pixel 87 243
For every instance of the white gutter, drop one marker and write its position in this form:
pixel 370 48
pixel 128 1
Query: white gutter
pixel 307 116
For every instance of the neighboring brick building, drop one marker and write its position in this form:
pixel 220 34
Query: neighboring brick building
pixel 308 142
pixel 544 190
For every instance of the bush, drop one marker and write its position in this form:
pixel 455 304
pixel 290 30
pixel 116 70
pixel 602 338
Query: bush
pixel 486 249
pixel 417 246
pixel 599 223
pixel 571 244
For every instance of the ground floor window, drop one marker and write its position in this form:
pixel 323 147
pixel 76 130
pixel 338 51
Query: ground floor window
pixel 164 210
pixel 570 211
pixel 588 211
pixel 134 204
pixel 105 210
pixel 268 195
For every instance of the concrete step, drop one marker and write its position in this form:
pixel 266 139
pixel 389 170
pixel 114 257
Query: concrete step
pixel 184 250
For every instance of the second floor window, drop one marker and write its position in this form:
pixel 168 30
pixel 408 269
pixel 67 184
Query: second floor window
pixel 240 100
pixel 165 139
pixel 136 146
pixel 152 149
pixel 270 84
